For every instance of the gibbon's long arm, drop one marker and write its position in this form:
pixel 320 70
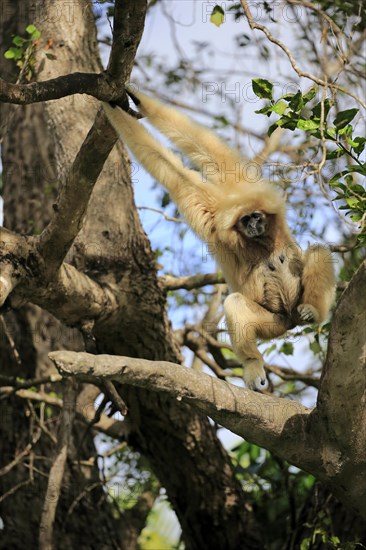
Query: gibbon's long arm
pixel 213 158
pixel 196 201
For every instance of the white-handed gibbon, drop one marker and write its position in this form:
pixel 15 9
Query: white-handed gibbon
pixel 274 285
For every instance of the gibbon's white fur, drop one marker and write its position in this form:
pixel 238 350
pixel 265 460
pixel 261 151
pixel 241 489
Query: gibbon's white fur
pixel 274 285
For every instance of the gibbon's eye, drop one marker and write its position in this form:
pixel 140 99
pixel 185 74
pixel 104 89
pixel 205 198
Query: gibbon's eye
pixel 257 215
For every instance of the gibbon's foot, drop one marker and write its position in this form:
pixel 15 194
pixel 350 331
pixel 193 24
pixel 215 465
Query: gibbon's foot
pixel 254 373
pixel 308 313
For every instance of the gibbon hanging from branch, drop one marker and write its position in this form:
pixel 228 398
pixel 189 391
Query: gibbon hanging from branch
pixel 274 285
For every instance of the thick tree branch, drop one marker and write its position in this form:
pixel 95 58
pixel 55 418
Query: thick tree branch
pixel 70 295
pixel 267 421
pixel 70 210
pixel 306 438
pixel 94 84
pixel 57 237
pixel 128 26
pixel 129 19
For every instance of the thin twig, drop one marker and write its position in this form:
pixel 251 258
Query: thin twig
pixel 289 374
pixel 169 218
pixel 6 469
pixel 190 282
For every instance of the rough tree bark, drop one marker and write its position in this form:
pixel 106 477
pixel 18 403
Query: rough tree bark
pixel 113 252
pixel 30 189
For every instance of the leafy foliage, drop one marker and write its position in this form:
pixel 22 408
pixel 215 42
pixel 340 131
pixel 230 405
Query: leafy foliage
pixel 278 494
pixel 295 113
pixel 22 52
pixel 275 490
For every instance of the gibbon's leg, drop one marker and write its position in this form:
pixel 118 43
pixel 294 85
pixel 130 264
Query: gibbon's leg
pixel 247 321
pixel 215 160
pixel 318 282
pixel 196 201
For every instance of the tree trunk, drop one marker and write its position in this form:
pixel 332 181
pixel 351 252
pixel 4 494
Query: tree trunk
pixel 30 188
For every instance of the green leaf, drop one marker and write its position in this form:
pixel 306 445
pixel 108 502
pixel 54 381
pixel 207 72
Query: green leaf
pixel 360 144
pixel 360 169
pixel 266 110
pixel 315 347
pixel 271 129
pixel 331 133
pixel 297 102
pixel 317 109
pixel 335 154
pixel 36 34
pixel 286 122
pixel 13 53
pixel 351 142
pixel 344 117
pixel 217 16
pixel 346 131
pixel 356 217
pixel 287 97
pixel 308 124
pixel 262 88
pixel 18 40
pixel 338 184
pixel 352 202
pixel 9 54
pixel 336 177
pixel 254 452
pixel 31 29
pixel 310 94
pixel 287 348
pixel 279 107
pixel 357 188
pixel 270 349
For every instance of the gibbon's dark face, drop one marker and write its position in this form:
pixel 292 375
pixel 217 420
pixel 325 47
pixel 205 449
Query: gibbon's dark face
pixel 253 225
